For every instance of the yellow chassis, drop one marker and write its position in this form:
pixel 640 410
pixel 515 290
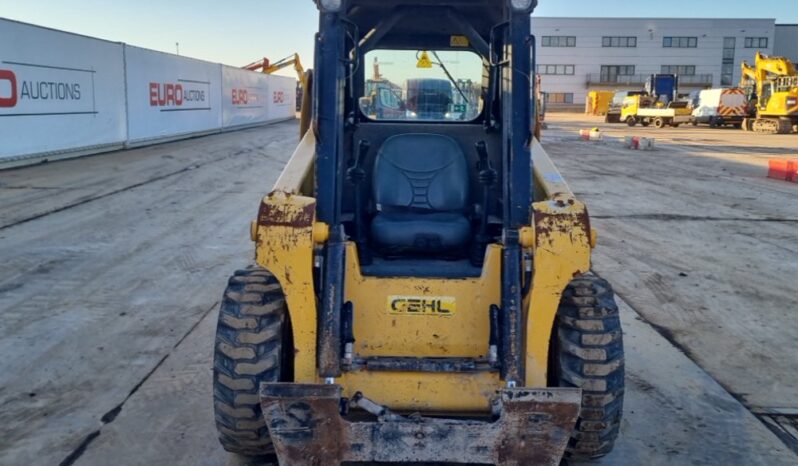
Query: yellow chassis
pixel 560 241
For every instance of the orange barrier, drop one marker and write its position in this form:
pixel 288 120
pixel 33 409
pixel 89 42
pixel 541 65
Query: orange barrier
pixel 780 169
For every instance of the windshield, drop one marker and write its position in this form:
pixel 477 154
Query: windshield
pixel 422 85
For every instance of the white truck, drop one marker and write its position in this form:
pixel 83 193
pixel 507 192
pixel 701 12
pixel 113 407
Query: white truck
pixel 720 107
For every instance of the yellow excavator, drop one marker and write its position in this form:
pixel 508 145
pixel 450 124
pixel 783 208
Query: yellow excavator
pixel 265 66
pixel 773 85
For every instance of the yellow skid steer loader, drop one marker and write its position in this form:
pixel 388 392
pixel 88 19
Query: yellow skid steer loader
pixel 422 291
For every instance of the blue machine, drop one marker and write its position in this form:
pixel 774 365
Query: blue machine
pixel 663 87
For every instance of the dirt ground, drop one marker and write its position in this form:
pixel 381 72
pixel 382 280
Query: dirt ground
pixel 113 265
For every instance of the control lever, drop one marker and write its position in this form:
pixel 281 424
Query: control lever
pixel 356 175
pixel 487 177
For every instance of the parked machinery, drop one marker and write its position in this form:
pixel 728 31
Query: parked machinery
pixel 663 88
pixel 773 86
pixel 422 290
pixel 720 107
pixel 645 110
pixel 598 102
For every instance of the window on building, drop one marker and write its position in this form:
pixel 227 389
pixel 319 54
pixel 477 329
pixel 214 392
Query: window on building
pixel 619 41
pixel 680 42
pixel 727 75
pixel 727 71
pixel 610 73
pixel 560 97
pixel 558 41
pixel 556 69
pixel 682 70
pixel 756 42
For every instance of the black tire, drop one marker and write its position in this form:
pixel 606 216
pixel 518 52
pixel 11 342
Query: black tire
pixel 253 344
pixel 659 123
pixel 631 121
pixel 587 352
pixel 645 122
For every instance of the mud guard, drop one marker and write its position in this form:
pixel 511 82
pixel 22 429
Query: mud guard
pixel 307 429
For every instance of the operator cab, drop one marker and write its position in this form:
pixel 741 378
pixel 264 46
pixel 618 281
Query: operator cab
pixel 419 127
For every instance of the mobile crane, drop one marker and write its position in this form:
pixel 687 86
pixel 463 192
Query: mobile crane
pixel 773 84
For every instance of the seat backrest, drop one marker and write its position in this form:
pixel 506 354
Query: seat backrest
pixel 422 173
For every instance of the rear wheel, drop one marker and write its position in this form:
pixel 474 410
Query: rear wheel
pixel 645 122
pixel 659 123
pixel 253 341
pixel 587 352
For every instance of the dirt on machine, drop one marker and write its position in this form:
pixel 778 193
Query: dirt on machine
pixel 421 289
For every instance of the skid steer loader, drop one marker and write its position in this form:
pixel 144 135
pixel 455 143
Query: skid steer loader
pixel 422 291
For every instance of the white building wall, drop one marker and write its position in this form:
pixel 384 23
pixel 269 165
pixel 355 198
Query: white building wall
pixel 649 55
pixel 787 41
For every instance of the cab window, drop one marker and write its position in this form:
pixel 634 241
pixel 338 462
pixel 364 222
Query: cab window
pixel 422 85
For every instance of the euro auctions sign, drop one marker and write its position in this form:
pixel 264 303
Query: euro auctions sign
pixel 34 89
pixel 181 95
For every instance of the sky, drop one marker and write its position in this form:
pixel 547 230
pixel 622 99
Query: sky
pixel 238 32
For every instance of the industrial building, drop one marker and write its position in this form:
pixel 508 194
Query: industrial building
pixel 787 41
pixel 577 55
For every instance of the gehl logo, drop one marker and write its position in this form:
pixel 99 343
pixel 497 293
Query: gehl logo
pixel 422 306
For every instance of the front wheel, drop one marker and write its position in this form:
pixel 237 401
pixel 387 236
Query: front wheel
pixel 587 353
pixel 253 341
pixel 631 121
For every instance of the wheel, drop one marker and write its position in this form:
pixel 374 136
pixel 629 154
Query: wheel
pixel 713 123
pixel 587 352
pixel 253 345
pixel 675 125
pixel 694 122
pixel 645 122
pixel 631 121
pixel 659 123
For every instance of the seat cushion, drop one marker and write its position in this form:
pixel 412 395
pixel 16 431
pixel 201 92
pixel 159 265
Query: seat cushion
pixel 420 233
pixel 421 172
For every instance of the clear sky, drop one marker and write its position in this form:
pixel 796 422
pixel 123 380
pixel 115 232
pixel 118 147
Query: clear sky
pixel 237 32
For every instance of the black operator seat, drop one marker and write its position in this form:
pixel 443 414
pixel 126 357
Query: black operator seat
pixel 421 187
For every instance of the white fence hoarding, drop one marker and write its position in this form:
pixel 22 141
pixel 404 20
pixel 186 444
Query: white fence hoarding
pixel 58 92
pixel 169 96
pixel 245 97
pixel 283 98
pixel 63 94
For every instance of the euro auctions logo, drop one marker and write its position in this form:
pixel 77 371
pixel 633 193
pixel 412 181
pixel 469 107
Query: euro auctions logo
pixel 8 89
pixel 181 95
pixel 30 89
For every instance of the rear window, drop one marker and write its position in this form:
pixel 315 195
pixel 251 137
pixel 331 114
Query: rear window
pixel 422 85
